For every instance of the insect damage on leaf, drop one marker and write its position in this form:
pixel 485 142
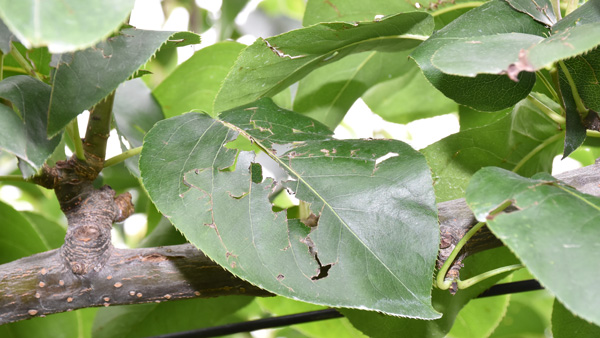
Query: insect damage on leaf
pixel 523 64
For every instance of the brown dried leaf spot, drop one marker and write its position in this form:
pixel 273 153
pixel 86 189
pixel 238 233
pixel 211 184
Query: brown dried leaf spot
pixel 523 64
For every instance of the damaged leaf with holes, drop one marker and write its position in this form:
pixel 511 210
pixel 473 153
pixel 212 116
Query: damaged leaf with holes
pixel 370 241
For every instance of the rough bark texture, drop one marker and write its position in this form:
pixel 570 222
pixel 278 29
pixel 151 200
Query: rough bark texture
pixel 87 271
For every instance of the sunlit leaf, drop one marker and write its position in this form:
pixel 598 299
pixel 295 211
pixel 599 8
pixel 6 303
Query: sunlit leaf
pixel 194 84
pixel 327 93
pixel 269 65
pixel 554 232
pixel 64 25
pixel 376 232
pixel 540 10
pixel 85 77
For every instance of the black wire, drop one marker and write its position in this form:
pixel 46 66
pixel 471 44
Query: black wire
pixel 313 316
pixel 513 287
pixel 259 324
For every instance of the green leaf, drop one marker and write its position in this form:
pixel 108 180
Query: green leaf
pixel 229 11
pixel 268 66
pixel 540 10
pixel 512 53
pixel 359 10
pixel 135 111
pixel 565 324
pixel 194 84
pixel 479 317
pixel 377 231
pixel 589 12
pixel 24 135
pixel 280 306
pixel 407 98
pixel 378 325
pixel 60 325
pixel 524 139
pixel 492 18
pixel 19 237
pixel 144 320
pixel 85 77
pixel 553 231
pixel 584 70
pixel 64 25
pixel 51 233
pixel 327 93
pixel 575 134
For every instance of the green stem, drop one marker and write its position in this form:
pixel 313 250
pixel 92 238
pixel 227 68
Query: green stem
pixel 592 133
pixel 471 4
pixel 581 109
pixel 13 178
pixel 463 284
pixel 556 117
pixel 122 156
pixel 537 149
pixel 440 278
pixel 73 132
pixel 548 85
pixel 556 9
pixel 23 63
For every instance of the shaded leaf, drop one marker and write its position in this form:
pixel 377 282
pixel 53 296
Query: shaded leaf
pixel 229 11
pixel 145 320
pixel 64 25
pixel 576 132
pixel 268 66
pixel 524 139
pixel 553 231
pixel 540 10
pixel 565 324
pixel 135 111
pixel 194 84
pixel 589 12
pixel 585 71
pixel 24 135
pixel 378 325
pixel 51 233
pixel 327 93
pixel 85 77
pixel 493 17
pixel 19 238
pixel 407 98
pixel 377 230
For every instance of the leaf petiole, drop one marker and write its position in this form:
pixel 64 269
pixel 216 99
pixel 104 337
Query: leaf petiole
pixel 441 282
pixel 23 63
pixel 122 156
pixel 463 284
pixel 556 117
pixel 13 178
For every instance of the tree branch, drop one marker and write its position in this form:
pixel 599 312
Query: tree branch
pixel 47 282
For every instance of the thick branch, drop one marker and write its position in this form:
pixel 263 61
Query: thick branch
pixel 41 284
